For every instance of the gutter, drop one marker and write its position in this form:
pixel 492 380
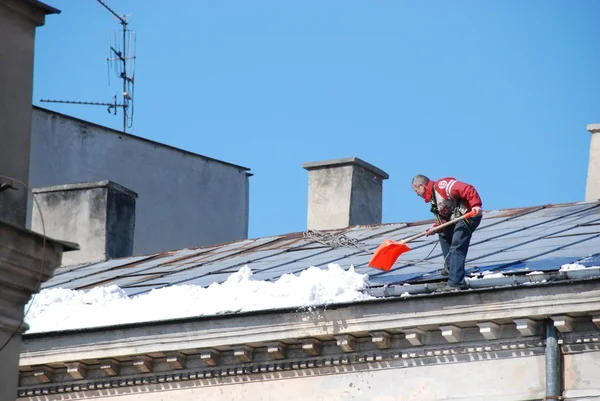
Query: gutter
pixel 400 290
pixel 553 364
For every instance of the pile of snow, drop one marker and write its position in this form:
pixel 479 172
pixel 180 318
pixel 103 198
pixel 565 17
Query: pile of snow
pixel 63 309
pixel 576 266
pixel 535 273
pixel 486 275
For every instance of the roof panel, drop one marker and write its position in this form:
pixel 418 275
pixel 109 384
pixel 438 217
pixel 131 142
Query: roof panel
pixel 69 277
pixel 511 241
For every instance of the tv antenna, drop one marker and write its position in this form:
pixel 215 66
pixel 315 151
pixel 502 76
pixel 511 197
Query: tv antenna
pixel 122 56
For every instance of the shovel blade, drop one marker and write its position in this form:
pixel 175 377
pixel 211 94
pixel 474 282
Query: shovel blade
pixel 387 253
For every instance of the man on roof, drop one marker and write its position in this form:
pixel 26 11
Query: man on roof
pixel 451 199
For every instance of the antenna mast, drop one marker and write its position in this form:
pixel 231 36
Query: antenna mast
pixel 125 63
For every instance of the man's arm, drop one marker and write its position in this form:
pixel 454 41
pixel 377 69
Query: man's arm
pixel 463 191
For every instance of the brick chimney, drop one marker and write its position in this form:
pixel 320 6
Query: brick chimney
pixel 592 188
pixel 99 216
pixel 344 192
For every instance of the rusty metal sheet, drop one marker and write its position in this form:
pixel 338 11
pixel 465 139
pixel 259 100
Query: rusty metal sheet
pixel 526 237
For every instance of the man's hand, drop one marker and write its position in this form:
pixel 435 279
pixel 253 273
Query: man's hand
pixel 432 230
pixel 477 210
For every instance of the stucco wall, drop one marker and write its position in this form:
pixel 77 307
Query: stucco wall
pixel 582 376
pixel 592 189
pixel 184 200
pixel 9 371
pixel 505 380
pixel 16 84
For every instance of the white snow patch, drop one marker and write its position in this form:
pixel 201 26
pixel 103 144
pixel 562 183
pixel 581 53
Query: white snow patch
pixel 576 266
pixel 535 273
pixel 63 309
pixel 487 275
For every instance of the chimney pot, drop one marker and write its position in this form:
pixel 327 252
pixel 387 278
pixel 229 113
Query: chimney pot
pixel 592 189
pixel 99 216
pixel 344 192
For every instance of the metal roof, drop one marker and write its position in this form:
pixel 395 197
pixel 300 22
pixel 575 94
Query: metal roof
pixel 513 241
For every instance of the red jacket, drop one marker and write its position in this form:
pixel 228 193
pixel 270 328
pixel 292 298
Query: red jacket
pixel 452 196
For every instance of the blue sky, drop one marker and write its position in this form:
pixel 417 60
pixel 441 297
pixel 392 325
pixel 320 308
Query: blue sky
pixel 494 93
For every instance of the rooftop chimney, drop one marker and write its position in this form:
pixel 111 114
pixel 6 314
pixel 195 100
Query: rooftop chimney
pixel 99 216
pixel 344 192
pixel 592 188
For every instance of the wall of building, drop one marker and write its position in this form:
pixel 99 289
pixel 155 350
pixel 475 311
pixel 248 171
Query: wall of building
pixel 17 34
pixel 520 378
pixel 502 380
pixel 184 200
pixel 582 370
pixel 592 188
pixel 9 372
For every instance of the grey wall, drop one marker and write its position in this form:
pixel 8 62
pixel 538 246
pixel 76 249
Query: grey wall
pixel 26 261
pixel 581 372
pixel 9 368
pixel 98 216
pixel 17 34
pixel 184 200
pixel 499 380
pixel 592 189
pixel 367 197
pixel 519 378
pixel 344 192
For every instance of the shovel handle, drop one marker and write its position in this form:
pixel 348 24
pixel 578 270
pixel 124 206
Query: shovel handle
pixel 446 224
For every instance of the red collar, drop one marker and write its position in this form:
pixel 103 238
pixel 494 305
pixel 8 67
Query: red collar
pixel 429 191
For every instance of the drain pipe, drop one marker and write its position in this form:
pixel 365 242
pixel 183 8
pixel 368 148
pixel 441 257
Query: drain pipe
pixel 553 363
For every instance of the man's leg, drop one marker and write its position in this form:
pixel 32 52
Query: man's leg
pixel 461 238
pixel 445 238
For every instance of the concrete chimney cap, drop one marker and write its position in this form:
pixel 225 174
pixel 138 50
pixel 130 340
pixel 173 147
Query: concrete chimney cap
pixel 345 162
pixel 85 185
pixel 593 128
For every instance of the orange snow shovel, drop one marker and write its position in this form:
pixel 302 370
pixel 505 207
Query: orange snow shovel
pixel 386 254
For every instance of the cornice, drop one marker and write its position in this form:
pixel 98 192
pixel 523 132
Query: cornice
pixel 149 371
pixel 425 313
pixel 377 335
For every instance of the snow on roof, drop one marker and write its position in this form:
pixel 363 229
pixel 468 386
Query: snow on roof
pixel 315 268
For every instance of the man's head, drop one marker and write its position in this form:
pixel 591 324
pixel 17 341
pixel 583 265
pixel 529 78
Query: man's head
pixel 419 185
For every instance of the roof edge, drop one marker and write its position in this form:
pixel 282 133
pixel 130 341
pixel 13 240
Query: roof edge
pixel 45 7
pixel 116 132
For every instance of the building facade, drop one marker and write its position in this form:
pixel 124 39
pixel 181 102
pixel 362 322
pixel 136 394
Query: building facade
pixel 183 199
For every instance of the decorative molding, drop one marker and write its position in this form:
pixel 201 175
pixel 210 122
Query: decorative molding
pixel 527 327
pixel 77 370
pixel 243 353
pixel 596 319
pixel 414 336
pixel 110 366
pixel 277 349
pixel 346 342
pixel 564 323
pixel 420 356
pixel 468 308
pixel 311 346
pixel 420 348
pixel 451 333
pixel 382 339
pixel 43 373
pixel 143 364
pixel 210 357
pixel 490 330
pixel 176 360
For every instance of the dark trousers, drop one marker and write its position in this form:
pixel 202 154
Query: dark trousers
pixel 455 242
